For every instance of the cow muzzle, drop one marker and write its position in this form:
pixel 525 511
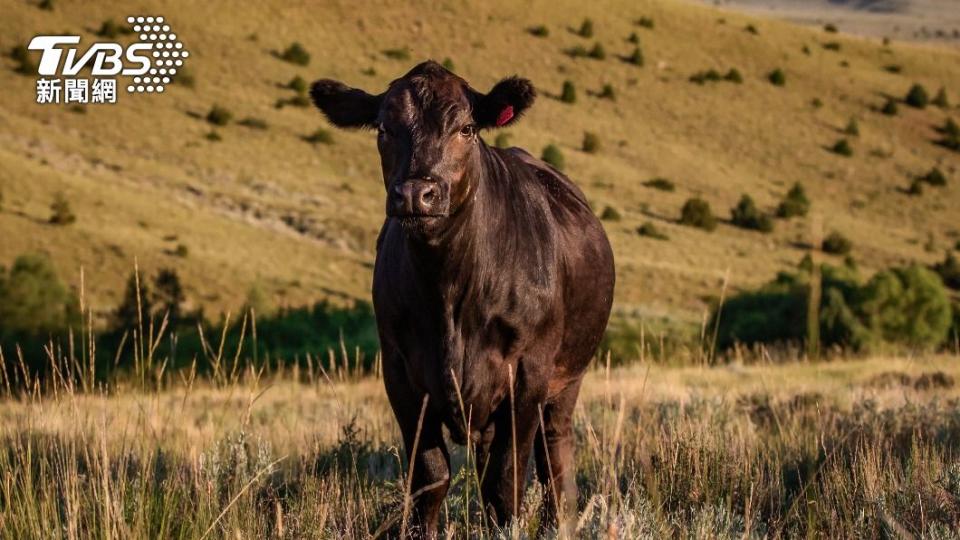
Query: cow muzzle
pixel 419 198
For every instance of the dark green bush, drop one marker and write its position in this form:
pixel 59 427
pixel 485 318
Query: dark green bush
pixel 25 65
pixel 569 93
pixel 836 244
pixel 186 78
pixel 917 97
pixel 397 54
pixel 502 140
pixel 710 75
pixel 591 143
pixel 830 28
pixel 213 136
pixel 633 38
pixel 298 84
pixel 539 31
pixel 448 64
pixel 636 57
pixel 296 54
pixel 586 29
pixel 60 211
pixel 696 213
pixel 607 92
pixel 751 29
pixel 662 184
pixel 907 306
pixel 597 52
pixel 951 135
pixel 934 177
pixel 889 108
pixel 610 214
pixel 816 103
pixel 733 76
pixel 842 147
pixel 254 123
pixel 853 128
pixel 650 230
pixel 940 100
pixel 320 136
pixel 777 77
pixel 577 51
pixel 795 203
pixel 949 270
pixel 645 22
pixel 219 116
pixel 111 30
pixel 747 216
pixel 832 45
pixel 893 68
pixel 552 155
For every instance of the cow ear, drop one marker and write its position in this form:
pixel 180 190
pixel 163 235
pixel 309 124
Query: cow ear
pixel 505 103
pixel 344 106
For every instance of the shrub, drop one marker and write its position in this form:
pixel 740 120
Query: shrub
pixel 696 213
pixel 219 116
pixel 186 78
pixel 636 57
pixel 591 143
pixel 254 123
pixel 733 76
pixel 633 38
pixel 746 215
pixel 502 140
pixel 586 29
pixel 934 177
pixel 889 108
pixel 816 103
pixel 539 31
pixel 650 230
pixel 110 29
pixel 181 250
pixel 916 187
pixel 34 303
pixel 917 97
pixel 607 92
pixel 940 100
pixel 21 55
pixel 853 128
pixel 830 28
pixel 552 155
pixel 577 51
pixel 836 244
pixel 662 184
pixel 610 214
pixel 320 136
pixel 597 52
pixel 949 270
pixel 60 211
pixel 751 29
pixel 298 84
pixel 213 136
pixel 710 75
pixel 906 305
pixel 893 68
pixel 645 22
pixel 795 203
pixel 832 45
pixel 568 94
pixel 777 77
pixel 402 53
pixel 951 135
pixel 842 147
pixel 448 64
pixel 296 54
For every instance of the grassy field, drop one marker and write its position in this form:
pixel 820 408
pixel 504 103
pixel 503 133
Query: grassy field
pixel 264 206
pixel 859 448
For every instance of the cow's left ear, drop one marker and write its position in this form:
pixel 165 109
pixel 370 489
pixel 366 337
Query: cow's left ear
pixel 505 103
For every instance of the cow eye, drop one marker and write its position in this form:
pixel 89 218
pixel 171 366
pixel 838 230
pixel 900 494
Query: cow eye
pixel 469 130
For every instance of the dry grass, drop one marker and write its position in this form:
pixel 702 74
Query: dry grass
pixel 141 172
pixel 840 449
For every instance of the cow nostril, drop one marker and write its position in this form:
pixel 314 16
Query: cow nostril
pixel 427 196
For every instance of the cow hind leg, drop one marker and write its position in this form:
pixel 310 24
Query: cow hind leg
pixel 554 455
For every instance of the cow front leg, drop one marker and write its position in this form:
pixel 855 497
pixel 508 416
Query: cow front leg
pixel 554 454
pixel 427 457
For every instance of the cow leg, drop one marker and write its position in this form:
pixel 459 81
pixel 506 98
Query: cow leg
pixel 430 463
pixel 554 454
pixel 507 457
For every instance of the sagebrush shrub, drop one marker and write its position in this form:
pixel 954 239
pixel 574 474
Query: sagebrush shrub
pixel 402 53
pixel 853 128
pixel 645 22
pixel 298 84
pixel 636 57
pixel 650 230
pixel 733 76
pixel 502 140
pixel 747 216
pixel 296 54
pixel 917 97
pixel 591 143
pixel 60 211
pixel 448 64
pixel 586 29
pixel 552 155
pixel 836 243
pixel 254 123
pixel 610 214
pixel 320 136
pixel 934 177
pixel 777 77
pixel 660 183
pixel 607 92
pixel 949 270
pixel 539 30
pixel 219 116
pixel 568 94
pixel 889 108
pixel 795 203
pixel 633 38
pixel 940 100
pixel 842 148
pixel 597 52
pixel 696 213
pixel 830 28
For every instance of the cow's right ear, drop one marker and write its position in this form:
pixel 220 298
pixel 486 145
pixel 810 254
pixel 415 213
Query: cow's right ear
pixel 344 106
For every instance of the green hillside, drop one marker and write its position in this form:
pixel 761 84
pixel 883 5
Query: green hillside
pixel 299 219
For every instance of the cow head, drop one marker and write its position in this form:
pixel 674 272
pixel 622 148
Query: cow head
pixel 427 126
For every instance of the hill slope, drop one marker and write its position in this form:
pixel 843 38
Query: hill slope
pixel 266 206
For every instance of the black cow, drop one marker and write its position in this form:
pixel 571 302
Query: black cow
pixel 492 287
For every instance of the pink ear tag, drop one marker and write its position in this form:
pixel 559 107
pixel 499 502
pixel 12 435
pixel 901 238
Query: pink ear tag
pixel 505 115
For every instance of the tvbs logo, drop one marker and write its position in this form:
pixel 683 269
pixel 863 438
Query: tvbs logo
pixel 152 61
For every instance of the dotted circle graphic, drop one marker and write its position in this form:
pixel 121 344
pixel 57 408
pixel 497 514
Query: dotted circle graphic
pixel 167 53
